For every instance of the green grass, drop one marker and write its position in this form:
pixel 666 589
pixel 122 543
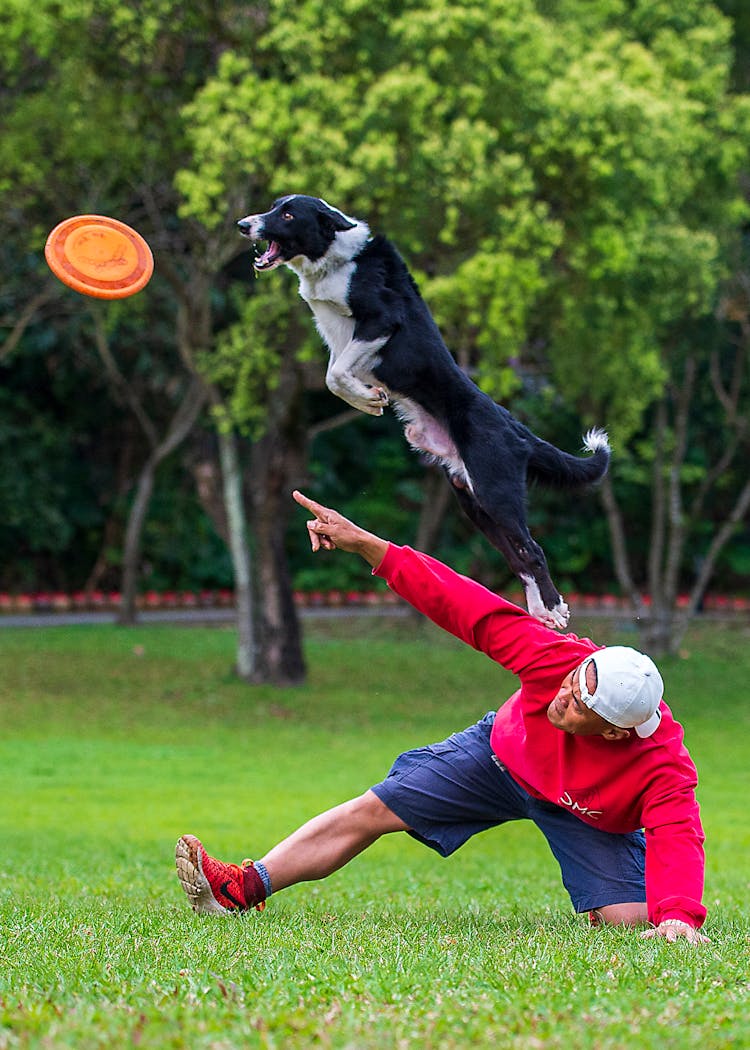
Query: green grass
pixel 115 741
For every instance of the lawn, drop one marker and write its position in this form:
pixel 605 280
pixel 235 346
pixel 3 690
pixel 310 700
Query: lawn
pixel 115 741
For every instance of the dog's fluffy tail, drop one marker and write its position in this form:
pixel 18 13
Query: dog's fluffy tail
pixel 552 466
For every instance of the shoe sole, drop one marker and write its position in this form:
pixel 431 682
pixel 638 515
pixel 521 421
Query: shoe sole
pixel 189 862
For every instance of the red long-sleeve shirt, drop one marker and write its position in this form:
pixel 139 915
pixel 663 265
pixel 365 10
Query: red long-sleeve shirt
pixel 614 785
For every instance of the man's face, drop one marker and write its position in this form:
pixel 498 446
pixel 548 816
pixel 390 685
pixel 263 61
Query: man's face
pixel 569 713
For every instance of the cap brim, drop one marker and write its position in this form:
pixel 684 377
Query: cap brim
pixel 649 727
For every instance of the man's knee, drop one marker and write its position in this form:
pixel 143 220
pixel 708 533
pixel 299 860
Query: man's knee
pixel 631 914
pixel 370 811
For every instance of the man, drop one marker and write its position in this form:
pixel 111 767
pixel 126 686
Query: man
pixel 586 748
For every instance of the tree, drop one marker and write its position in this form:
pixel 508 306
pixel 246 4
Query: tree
pixel 569 205
pixel 91 73
pixel 561 176
pixel 641 159
pixel 685 476
pixel 100 75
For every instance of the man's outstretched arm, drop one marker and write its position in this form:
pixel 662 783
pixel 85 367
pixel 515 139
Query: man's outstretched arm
pixel 461 606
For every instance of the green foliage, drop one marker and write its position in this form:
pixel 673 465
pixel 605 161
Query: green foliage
pixel 578 186
pixel 362 468
pixel 181 550
pixel 82 72
pixel 562 175
pixel 618 155
pixel 34 481
pixel 91 89
pixel 248 354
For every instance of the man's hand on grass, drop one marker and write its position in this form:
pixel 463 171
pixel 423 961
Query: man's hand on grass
pixel 673 930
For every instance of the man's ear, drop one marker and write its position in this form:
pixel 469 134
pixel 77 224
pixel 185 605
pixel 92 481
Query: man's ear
pixel 615 733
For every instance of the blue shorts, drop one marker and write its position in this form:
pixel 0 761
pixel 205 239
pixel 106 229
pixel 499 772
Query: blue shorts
pixel 449 791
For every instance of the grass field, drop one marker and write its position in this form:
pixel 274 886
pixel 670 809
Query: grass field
pixel 115 741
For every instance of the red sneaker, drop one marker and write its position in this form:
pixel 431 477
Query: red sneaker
pixel 215 888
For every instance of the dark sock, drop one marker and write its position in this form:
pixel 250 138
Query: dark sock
pixel 253 886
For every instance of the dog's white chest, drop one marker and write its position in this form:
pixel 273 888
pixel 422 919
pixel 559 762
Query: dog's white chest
pixel 331 287
pixel 336 329
pixel 326 295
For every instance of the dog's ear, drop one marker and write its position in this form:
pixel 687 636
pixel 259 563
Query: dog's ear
pixel 332 222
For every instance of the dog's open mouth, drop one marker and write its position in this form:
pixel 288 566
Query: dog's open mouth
pixel 269 258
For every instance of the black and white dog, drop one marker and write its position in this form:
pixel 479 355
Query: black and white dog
pixel 386 348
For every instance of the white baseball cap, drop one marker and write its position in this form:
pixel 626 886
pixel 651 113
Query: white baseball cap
pixel 628 690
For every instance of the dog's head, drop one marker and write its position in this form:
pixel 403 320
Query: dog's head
pixel 296 228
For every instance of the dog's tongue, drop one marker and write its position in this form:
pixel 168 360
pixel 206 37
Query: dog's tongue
pixel 269 256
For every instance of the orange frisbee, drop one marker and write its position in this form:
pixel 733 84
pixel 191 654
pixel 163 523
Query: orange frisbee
pixel 99 256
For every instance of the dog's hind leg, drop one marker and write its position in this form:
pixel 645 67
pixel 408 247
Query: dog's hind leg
pixel 525 558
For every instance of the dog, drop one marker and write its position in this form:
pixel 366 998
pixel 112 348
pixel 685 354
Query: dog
pixel 385 348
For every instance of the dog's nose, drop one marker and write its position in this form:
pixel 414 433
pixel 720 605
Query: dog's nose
pixel 245 225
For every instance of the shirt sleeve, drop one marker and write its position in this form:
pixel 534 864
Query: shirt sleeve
pixel 481 618
pixel 675 859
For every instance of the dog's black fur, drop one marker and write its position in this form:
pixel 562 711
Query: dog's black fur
pixel 386 348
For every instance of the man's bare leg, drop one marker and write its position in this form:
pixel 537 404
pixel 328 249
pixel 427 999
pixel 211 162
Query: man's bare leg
pixel 321 846
pixel 330 840
pixel 629 914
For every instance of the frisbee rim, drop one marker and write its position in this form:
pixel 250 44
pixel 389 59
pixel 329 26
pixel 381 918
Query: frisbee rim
pixel 64 267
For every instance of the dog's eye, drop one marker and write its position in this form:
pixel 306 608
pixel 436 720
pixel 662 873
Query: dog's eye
pixel 287 216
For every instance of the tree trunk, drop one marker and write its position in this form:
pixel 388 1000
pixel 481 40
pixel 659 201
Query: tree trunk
pixel 620 554
pixel 655 619
pixel 112 532
pixel 269 644
pixel 437 499
pixel 27 314
pixel 277 467
pixel 276 636
pixel 719 541
pixel 181 425
pixel 240 550
pixel 132 547
pixel 205 466
pixel 656 632
pixel 661 623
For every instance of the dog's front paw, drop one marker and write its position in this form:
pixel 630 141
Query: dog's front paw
pixel 375 402
pixel 556 618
